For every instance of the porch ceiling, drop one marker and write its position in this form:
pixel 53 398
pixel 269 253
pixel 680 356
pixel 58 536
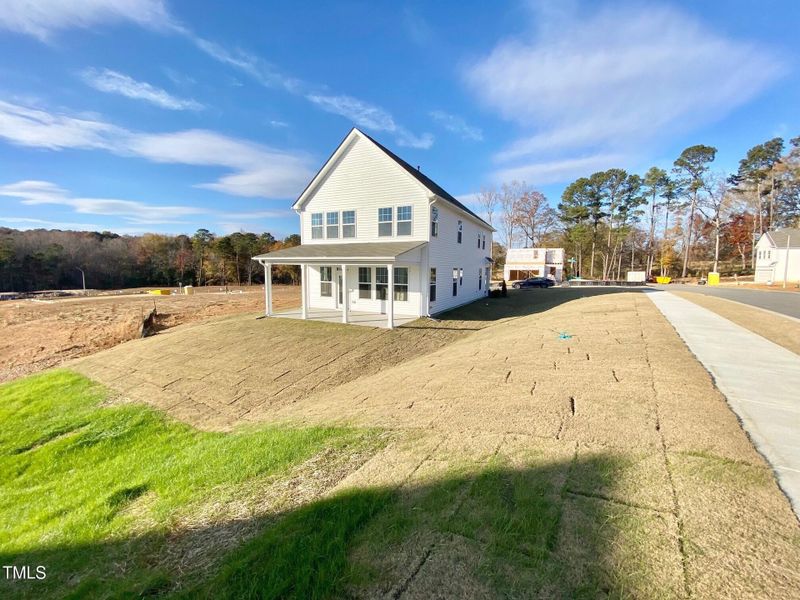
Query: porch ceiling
pixel 353 252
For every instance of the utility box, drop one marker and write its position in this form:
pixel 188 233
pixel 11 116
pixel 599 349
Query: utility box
pixel 638 276
pixel 188 290
pixel 713 278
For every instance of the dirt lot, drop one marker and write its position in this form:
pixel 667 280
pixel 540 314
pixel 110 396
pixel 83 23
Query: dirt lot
pixel 578 416
pixel 38 334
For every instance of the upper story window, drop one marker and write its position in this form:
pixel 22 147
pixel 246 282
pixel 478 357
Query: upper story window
pixel 316 226
pixel 484 241
pixel 479 240
pixel 403 220
pixel 460 230
pixel 348 223
pixel 434 222
pixel 385 222
pixel 332 222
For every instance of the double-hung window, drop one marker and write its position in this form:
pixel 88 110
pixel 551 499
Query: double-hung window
pixel 460 230
pixel 479 241
pixel 401 283
pixel 432 291
pixel 332 222
pixel 326 281
pixel 403 220
pixel 381 283
pixel 316 226
pixel 480 279
pixel 365 282
pixel 484 241
pixel 348 223
pixel 455 282
pixel 385 222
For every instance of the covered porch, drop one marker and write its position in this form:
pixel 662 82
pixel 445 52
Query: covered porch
pixel 377 284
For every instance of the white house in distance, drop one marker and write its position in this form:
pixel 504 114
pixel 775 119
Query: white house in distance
pixel 378 237
pixel 773 250
pixel 522 263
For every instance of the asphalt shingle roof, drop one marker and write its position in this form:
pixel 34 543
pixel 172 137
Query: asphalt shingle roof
pixel 341 252
pixel 780 236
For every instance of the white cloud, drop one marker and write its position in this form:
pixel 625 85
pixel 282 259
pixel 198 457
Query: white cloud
pixel 25 223
pixel 543 173
pixel 32 192
pixel 42 18
pixel 369 116
pixel 611 80
pixel 457 125
pixel 27 126
pixel 257 170
pixel 114 82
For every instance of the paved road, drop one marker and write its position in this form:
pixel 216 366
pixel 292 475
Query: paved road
pixel 760 380
pixel 786 303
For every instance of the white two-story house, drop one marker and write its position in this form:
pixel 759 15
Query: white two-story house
pixel 378 237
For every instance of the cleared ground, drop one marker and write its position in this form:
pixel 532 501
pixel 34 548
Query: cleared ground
pixel 39 334
pixel 557 443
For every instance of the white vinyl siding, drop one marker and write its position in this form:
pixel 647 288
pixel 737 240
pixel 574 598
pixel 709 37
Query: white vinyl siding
pixel 444 252
pixel 365 179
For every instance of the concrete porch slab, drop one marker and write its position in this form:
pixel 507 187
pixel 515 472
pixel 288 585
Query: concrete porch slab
pixel 355 317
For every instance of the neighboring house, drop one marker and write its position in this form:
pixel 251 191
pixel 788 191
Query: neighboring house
pixel 522 263
pixel 772 254
pixel 378 236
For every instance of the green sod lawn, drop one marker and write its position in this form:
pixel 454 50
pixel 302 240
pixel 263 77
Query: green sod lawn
pixel 94 492
pixel 119 501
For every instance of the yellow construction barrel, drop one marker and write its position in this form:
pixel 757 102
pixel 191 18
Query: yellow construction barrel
pixel 713 278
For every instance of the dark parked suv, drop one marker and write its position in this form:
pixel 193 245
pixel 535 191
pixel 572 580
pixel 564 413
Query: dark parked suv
pixel 540 282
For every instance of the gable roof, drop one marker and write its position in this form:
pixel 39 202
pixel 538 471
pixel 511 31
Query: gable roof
pixel 423 179
pixel 779 237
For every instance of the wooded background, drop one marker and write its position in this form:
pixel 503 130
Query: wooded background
pixel 682 222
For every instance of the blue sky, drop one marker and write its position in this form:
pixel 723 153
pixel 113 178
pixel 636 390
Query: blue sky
pixel 169 115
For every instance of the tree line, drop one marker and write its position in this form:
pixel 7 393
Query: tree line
pixel 42 259
pixel 680 221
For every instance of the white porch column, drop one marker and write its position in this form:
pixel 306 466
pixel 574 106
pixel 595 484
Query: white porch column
pixel 268 289
pixel 390 301
pixel 304 290
pixel 345 294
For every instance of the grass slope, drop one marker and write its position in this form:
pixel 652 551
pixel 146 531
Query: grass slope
pixel 92 492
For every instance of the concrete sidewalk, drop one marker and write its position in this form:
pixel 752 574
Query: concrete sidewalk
pixel 760 379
